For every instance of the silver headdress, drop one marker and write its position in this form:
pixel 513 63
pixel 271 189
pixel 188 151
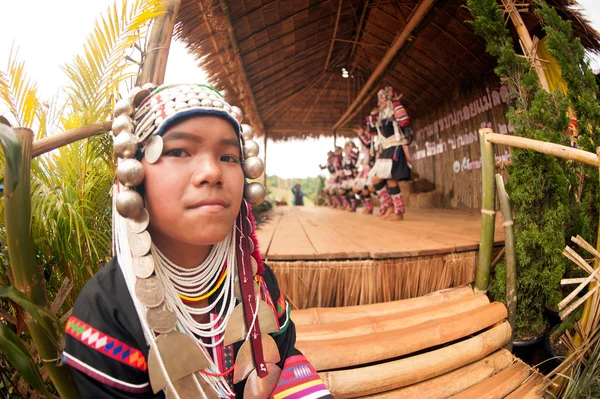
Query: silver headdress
pixel 178 360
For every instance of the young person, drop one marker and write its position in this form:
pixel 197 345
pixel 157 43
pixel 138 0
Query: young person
pixel 393 162
pixel 186 308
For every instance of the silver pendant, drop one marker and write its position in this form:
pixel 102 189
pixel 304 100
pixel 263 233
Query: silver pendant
pixel 125 145
pixel 122 123
pixel 236 329
pixel 139 224
pixel 130 172
pixel 129 204
pixel 140 244
pixel 254 193
pixel 187 388
pixel 123 107
pixel 153 149
pixel 181 356
pixel 244 362
pixel 250 245
pixel 253 167
pixel 143 267
pixel 251 148
pixel 161 319
pixel 248 226
pixel 247 132
pixel 149 291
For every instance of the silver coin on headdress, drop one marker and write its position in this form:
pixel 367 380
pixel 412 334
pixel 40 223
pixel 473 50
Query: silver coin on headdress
pixel 153 149
pixel 129 204
pixel 248 225
pixel 150 291
pixel 251 148
pixel 143 266
pixel 140 223
pixel 250 246
pixel 161 318
pixel 141 243
pixel 140 97
pixel 130 172
pixel 255 193
pixel 125 145
pixel 253 167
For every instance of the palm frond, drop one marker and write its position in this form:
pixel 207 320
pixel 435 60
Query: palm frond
pixel 100 70
pixel 19 92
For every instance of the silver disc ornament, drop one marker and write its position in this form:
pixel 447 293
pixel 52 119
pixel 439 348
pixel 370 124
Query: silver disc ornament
pixel 130 172
pixel 247 132
pixel 153 149
pixel 129 204
pixel 149 291
pixel 251 148
pixel 140 244
pixel 139 224
pixel 143 266
pixel 125 145
pixel 251 245
pixel 253 167
pixel 248 225
pixel 255 193
pixel 161 319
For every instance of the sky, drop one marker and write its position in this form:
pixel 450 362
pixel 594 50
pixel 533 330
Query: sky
pixel 56 30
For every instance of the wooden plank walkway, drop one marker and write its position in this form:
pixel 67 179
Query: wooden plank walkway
pixel 320 233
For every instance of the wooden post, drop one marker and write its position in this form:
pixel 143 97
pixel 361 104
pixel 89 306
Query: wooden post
pixel 157 52
pixel 510 256
pixel 529 47
pixel 419 13
pixel 488 212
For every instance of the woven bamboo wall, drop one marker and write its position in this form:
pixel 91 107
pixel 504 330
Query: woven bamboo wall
pixel 446 147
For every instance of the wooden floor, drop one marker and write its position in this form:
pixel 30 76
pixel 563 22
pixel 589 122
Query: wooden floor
pixel 320 233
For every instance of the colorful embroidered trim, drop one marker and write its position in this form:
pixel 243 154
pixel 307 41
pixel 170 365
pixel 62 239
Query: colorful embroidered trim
pixel 265 295
pixel 104 378
pixel 285 324
pixel 281 305
pixel 299 380
pixel 105 344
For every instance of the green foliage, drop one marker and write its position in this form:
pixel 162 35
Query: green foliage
pixel 539 184
pixel 12 151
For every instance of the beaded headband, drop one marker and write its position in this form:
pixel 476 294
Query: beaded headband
pixel 138 133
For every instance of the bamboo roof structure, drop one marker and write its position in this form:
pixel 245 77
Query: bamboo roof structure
pixel 282 60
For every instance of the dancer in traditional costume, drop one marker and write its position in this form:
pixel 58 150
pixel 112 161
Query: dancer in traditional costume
pixel 338 157
pixel 328 188
pixel 362 182
pixel 350 171
pixel 186 309
pixel 393 162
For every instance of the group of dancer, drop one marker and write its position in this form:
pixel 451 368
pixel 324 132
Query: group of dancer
pixel 382 161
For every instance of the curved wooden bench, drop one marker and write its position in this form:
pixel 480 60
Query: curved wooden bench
pixel 446 344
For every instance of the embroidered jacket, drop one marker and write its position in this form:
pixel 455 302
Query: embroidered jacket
pixel 106 348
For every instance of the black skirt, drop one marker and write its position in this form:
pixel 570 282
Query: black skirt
pixel 400 169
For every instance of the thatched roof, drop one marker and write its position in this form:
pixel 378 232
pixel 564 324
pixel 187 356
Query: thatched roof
pixel 278 60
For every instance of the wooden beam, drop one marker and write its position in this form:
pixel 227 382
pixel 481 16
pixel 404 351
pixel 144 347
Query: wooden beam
pixel 337 21
pixel 317 99
pixel 51 143
pixel 247 89
pixel 359 29
pixel 154 64
pixel 422 9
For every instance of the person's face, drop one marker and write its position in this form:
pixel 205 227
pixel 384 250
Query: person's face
pixel 381 100
pixel 194 191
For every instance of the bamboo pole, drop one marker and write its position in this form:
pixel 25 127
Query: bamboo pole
pixel 587 308
pixel 499 385
pixel 154 64
pixel 414 21
pixel 488 212
pixel 338 353
pixel 51 143
pixel 27 276
pixel 529 48
pixel 335 28
pixel 331 315
pixel 511 257
pixel 236 49
pixel 543 147
pixel 387 376
pixel 453 382
pixel 376 324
